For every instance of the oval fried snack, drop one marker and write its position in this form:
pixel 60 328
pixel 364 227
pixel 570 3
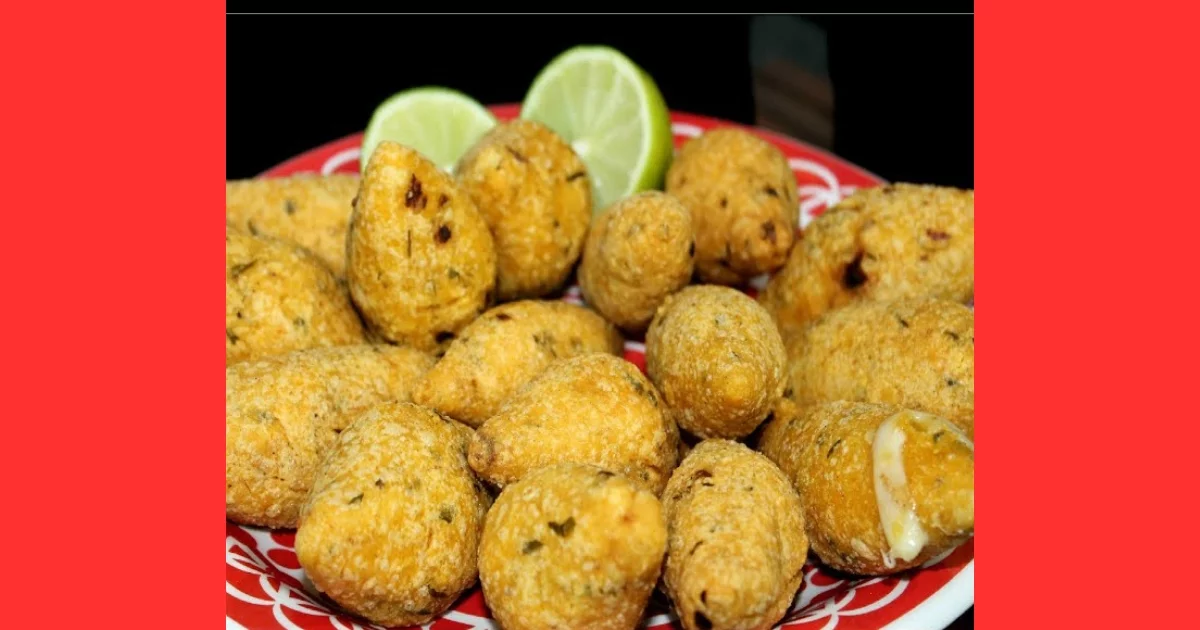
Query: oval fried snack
pixel 505 348
pixel 571 546
pixel 391 528
pixel 591 409
pixel 884 489
pixel 915 353
pixel 309 210
pixel 533 191
pixel 742 195
pixel 736 544
pixel 420 259
pixel 638 252
pixel 717 359
pixel 283 414
pixel 882 243
pixel 279 298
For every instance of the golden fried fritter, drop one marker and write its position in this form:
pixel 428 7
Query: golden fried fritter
pixel 533 192
pixel 884 489
pixel 717 360
pixel 283 414
pixel 280 298
pixel 391 529
pixel 421 263
pixel 309 210
pixel 917 353
pixel 882 243
pixel 593 409
pixel 504 349
pixel 571 546
pixel 639 251
pixel 736 544
pixel 742 195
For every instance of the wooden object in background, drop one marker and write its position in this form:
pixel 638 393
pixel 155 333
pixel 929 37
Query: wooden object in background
pixel 794 101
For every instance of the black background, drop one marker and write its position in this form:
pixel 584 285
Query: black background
pixel 903 85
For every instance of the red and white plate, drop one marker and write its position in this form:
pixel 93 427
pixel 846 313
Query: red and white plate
pixel 265 588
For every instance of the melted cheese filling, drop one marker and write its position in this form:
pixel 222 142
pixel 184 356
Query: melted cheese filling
pixel 905 536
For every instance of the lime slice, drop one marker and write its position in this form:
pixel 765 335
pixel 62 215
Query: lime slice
pixel 439 123
pixel 613 115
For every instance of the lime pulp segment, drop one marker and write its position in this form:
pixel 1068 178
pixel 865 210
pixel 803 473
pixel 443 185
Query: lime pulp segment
pixel 439 123
pixel 612 114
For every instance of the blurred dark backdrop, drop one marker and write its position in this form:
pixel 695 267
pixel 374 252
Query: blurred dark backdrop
pixel 893 94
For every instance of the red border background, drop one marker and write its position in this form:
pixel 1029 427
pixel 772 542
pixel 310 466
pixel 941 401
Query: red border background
pixel 114 151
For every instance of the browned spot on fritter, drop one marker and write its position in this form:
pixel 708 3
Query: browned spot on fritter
pixel 414 198
pixel 854 276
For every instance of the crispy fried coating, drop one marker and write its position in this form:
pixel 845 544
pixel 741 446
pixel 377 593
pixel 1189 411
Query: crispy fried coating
pixel 572 546
pixel 743 199
pixel 391 529
pixel 639 251
pixel 736 544
pixel 884 489
pixel 421 262
pixel 283 414
pixel 717 359
pixel 917 353
pixel 280 298
pixel 882 243
pixel 309 210
pixel 592 409
pixel 533 191
pixel 504 349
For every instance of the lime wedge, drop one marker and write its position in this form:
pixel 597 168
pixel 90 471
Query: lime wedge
pixel 613 115
pixel 437 122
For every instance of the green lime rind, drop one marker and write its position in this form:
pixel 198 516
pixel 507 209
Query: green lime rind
pixel 611 112
pixel 438 122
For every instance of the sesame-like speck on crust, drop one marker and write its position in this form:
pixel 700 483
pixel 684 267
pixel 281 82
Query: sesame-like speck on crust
pixel 736 545
pixel 831 452
pixel 391 528
pixel 743 199
pixel 504 349
pixel 533 191
pixel 307 209
pixel 881 243
pixel 572 546
pixel 593 409
pixel 918 353
pixel 421 263
pixel 718 360
pixel 639 251
pixel 279 298
pixel 283 414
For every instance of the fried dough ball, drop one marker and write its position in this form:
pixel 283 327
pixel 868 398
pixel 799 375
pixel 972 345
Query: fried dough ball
pixel 917 353
pixel 736 544
pixel 504 349
pixel 639 251
pixel 533 192
pixel 572 546
pixel 279 298
pixel 882 243
pixel 743 199
pixel 421 263
pixel 884 489
pixel 283 414
pixel 592 409
pixel 717 359
pixel 309 210
pixel 391 529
